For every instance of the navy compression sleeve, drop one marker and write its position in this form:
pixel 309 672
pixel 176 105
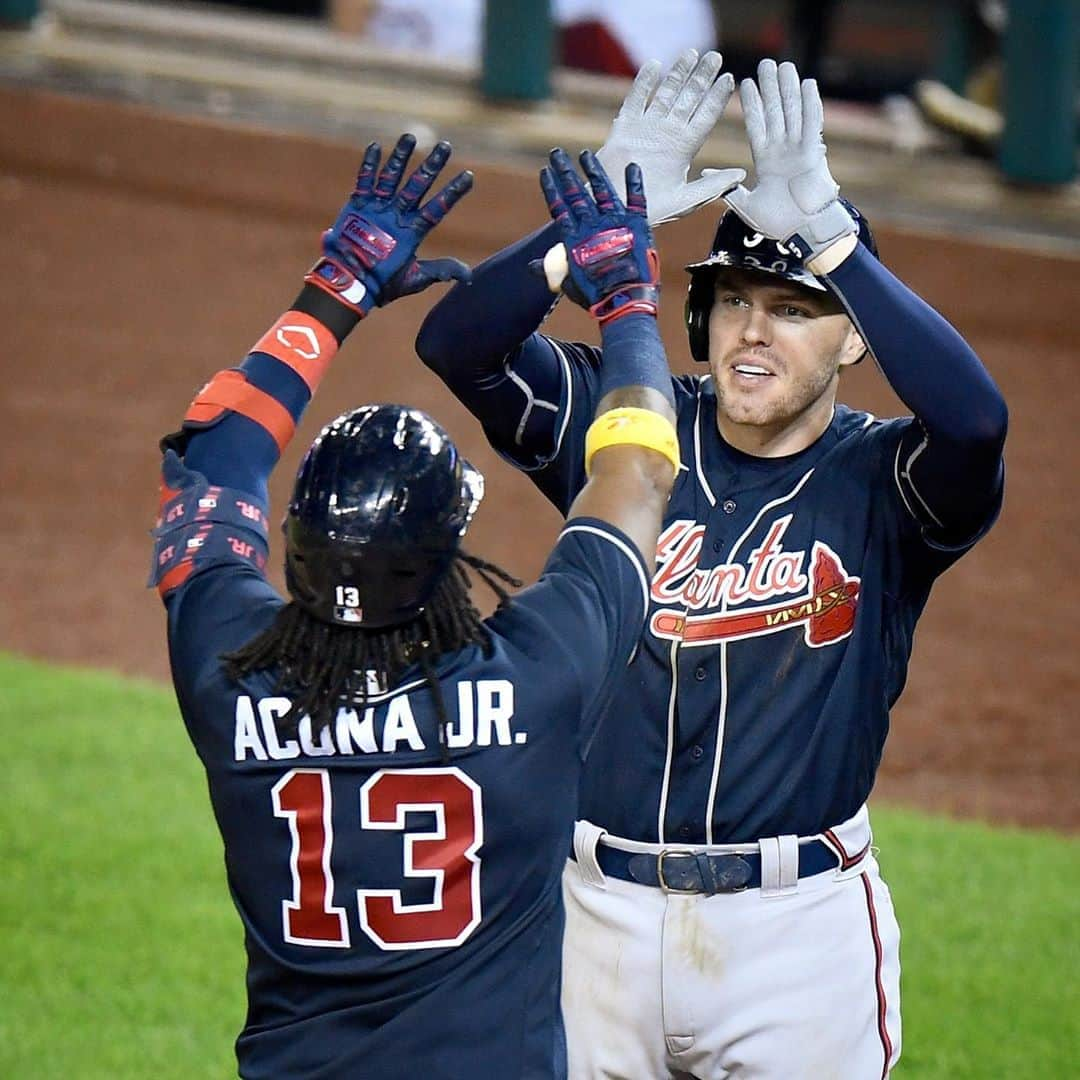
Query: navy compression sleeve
pixel 481 340
pixel 634 356
pixel 468 333
pixel 952 459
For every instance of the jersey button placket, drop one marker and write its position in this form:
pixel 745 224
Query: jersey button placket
pixel 728 506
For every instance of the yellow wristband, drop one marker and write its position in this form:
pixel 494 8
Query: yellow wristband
pixel 637 427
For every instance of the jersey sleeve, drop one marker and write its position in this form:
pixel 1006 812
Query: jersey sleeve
pixel 923 552
pixel 582 620
pixel 215 612
pixel 549 400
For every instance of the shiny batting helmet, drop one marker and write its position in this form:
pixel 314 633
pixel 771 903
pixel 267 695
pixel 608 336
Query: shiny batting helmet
pixel 381 502
pixel 739 246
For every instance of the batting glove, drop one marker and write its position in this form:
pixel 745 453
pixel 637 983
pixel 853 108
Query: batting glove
pixel 369 253
pixel 664 134
pixel 795 197
pixel 608 263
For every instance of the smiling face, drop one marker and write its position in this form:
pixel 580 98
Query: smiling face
pixel 775 352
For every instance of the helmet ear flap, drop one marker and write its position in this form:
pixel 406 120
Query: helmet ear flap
pixel 699 301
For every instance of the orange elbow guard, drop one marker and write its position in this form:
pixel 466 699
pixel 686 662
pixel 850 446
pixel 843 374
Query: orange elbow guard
pixel 229 390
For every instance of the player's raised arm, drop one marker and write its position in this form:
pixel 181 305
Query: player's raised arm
pixel 606 263
pixel 235 429
pixel 467 337
pixel 950 468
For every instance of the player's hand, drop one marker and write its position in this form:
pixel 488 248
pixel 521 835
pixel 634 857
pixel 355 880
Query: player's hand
pixel 664 130
pixel 369 253
pixel 795 197
pixel 606 262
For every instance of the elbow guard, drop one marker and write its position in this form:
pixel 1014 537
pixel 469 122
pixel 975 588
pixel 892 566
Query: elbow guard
pixel 227 392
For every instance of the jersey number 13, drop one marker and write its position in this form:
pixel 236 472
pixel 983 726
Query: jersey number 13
pixel 446 855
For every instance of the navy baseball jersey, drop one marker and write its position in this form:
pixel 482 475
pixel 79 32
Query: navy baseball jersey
pixel 402 913
pixel 782 611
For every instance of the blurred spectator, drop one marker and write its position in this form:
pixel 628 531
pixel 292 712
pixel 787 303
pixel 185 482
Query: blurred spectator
pixel 611 36
pixel 449 29
pixel 618 36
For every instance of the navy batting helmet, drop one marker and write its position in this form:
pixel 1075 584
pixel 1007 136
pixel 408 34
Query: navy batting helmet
pixel 737 245
pixel 381 502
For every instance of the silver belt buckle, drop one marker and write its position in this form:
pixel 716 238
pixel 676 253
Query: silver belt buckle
pixel 664 886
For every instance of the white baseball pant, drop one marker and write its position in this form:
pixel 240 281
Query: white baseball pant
pixel 798 980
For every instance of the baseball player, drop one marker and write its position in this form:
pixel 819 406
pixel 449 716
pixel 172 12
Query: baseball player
pixel 725 913
pixel 395 781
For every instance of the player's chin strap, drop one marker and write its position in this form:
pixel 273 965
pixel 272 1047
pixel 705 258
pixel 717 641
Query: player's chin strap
pixel 200 524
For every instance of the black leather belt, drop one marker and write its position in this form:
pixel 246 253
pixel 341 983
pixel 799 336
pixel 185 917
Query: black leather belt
pixel 692 872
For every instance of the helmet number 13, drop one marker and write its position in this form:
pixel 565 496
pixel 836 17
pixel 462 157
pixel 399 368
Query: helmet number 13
pixel 446 856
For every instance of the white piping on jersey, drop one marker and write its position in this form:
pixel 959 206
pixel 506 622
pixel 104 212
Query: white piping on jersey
pixel 697 447
pixel 568 382
pixel 633 555
pixel 721 719
pixel 531 402
pixel 905 474
pixel 673 655
pixel 673 659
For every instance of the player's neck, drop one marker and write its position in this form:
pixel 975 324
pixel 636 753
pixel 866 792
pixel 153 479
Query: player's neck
pixel 783 438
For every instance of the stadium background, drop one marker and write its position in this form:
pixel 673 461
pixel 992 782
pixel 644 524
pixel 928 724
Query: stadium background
pixel 163 192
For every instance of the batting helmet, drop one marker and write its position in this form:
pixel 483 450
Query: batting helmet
pixel 736 244
pixel 381 502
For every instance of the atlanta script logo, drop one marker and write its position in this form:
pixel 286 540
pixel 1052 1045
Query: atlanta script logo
pixel 822 600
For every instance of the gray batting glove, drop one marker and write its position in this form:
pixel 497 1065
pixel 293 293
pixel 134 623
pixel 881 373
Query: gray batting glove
pixel 664 134
pixel 794 199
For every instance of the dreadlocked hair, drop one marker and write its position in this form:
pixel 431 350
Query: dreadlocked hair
pixel 320 665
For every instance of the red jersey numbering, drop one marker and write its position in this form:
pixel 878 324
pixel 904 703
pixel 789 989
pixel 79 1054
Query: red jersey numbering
pixel 446 855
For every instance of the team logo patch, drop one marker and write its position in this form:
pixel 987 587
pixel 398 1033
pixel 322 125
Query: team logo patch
pixel 822 602
pixel 301 339
pixel 301 343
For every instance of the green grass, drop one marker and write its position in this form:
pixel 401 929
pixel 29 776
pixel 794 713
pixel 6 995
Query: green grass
pixel 989 948
pixel 122 955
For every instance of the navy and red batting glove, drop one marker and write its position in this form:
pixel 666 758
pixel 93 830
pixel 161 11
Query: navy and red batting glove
pixel 613 268
pixel 369 253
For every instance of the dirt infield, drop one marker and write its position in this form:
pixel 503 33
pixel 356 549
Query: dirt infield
pixel 142 252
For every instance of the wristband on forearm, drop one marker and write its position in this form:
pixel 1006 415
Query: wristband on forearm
pixel 634 427
pixel 325 307
pixel 336 280
pixel 641 297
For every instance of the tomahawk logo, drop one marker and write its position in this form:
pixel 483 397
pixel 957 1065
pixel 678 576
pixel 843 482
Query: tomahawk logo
pixel 296 337
pixel 822 602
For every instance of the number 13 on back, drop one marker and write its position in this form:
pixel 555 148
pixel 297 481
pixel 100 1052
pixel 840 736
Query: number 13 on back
pixel 446 855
